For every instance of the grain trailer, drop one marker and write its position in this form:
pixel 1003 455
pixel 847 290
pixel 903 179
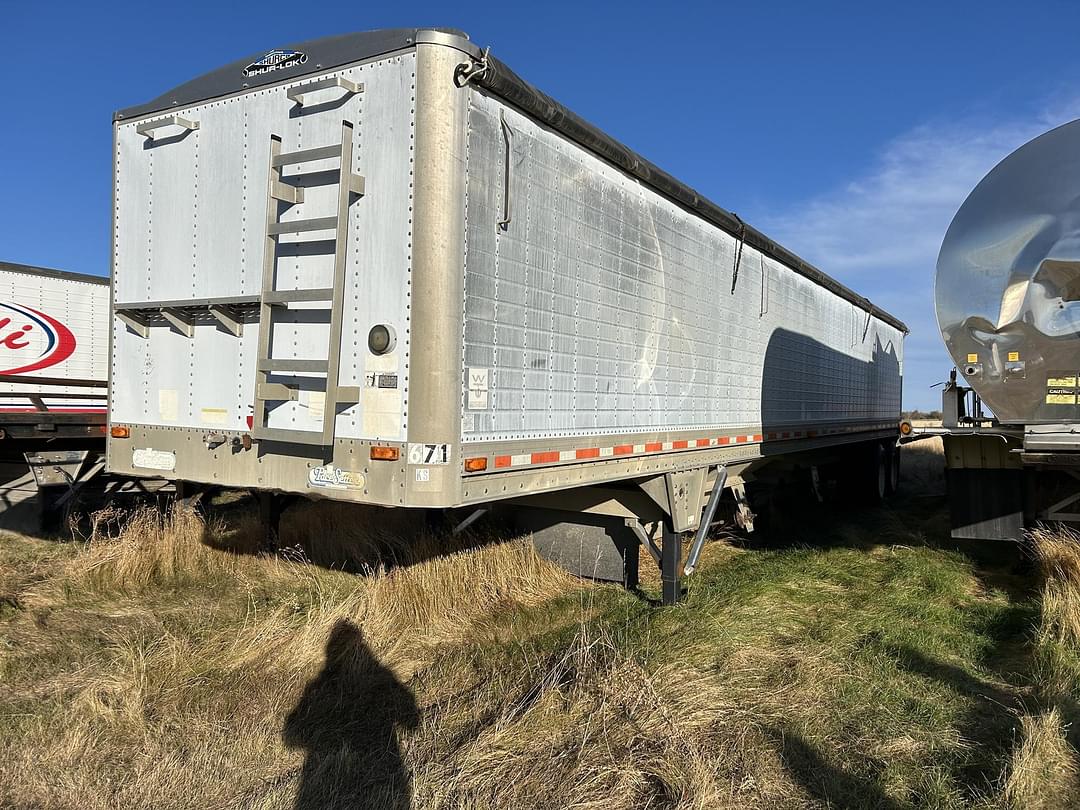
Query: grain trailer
pixel 382 268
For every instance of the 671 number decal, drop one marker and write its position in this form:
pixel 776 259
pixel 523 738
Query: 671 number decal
pixel 429 453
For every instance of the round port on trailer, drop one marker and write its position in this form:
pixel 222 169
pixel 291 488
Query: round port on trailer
pixel 381 339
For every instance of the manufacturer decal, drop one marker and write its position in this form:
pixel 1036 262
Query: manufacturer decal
pixel 478 389
pixel 276 59
pixel 150 459
pixel 330 477
pixel 30 340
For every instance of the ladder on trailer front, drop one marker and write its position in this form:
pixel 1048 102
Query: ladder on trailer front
pixel 268 394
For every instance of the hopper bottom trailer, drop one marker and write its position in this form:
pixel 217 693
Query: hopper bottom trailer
pixel 382 268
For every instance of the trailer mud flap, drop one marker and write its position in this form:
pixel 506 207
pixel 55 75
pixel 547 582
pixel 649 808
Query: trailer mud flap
pixel 986 504
pixel 599 547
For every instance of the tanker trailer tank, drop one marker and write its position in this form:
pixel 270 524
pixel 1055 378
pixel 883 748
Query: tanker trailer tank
pixel 1008 305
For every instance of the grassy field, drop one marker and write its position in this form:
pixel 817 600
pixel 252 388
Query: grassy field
pixel 857 660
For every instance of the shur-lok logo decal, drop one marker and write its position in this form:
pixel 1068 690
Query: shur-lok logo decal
pixel 275 60
pixel 31 340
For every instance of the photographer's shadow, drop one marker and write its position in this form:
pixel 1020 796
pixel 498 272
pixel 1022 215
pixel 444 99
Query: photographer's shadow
pixel 347 722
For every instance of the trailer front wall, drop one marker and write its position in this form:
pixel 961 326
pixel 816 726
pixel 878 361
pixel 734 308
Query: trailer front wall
pixel 190 225
pixel 603 308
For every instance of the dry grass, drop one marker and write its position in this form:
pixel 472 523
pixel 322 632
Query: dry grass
pixel 166 663
pixel 1045 774
pixel 1058 553
pixel 1057 641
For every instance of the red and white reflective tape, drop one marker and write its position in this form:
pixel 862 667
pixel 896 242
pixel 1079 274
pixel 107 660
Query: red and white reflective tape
pixel 530 459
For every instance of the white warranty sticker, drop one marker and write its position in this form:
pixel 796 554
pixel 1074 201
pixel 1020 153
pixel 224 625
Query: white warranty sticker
pixel 330 477
pixel 429 453
pixel 150 459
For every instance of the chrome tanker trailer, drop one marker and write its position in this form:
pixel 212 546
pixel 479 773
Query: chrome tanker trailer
pixel 1008 305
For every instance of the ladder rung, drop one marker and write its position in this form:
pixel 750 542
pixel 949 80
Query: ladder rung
pixel 348 394
pixel 290 296
pixel 277 391
pixel 294 436
pixel 302 366
pixel 307 155
pixel 302 225
pixel 286 193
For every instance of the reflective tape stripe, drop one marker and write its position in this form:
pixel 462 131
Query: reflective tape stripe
pixel 586 453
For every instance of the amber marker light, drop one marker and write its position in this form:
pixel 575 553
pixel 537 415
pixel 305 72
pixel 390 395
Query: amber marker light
pixel 385 453
pixel 120 432
pixel 475 464
pixel 905 428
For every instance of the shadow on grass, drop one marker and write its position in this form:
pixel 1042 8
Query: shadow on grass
pixel 988 728
pixel 833 786
pixel 355 538
pixel 347 723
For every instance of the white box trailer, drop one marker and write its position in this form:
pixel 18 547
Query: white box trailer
pixel 54 347
pixel 382 268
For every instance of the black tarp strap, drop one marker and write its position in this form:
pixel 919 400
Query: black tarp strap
pixel 473 70
pixel 740 240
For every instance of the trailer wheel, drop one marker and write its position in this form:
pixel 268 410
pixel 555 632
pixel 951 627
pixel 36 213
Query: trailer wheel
pixel 893 462
pixel 874 482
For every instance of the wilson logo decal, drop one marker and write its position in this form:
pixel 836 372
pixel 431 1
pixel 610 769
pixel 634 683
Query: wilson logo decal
pixel 30 340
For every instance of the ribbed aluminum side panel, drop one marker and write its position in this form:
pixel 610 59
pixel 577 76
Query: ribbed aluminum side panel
pixel 604 308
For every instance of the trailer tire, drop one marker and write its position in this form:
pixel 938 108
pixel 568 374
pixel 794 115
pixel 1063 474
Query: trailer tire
pixel 874 483
pixel 893 461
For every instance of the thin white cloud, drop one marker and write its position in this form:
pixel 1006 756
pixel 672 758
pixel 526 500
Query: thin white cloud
pixel 881 231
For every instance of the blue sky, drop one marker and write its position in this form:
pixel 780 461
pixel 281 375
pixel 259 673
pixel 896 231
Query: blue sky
pixel 850 132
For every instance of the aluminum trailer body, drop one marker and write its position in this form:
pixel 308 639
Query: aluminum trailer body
pixel 384 269
pixel 54 346
pixel 1008 305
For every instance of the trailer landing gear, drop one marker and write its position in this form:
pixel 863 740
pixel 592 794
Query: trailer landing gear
pixel 271 505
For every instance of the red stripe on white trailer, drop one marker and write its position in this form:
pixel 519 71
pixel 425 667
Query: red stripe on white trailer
pixel 54 408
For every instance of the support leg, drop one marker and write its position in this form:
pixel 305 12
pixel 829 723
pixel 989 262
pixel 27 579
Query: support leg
pixel 670 570
pixel 630 548
pixel 270 519
pixel 189 494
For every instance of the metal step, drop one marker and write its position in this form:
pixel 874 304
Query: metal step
pixel 297 366
pixel 306 155
pixel 286 193
pixel 291 393
pixel 278 297
pixel 303 225
pixel 292 436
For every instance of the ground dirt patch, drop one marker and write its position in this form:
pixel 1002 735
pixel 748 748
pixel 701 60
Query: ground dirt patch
pixel 857 661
